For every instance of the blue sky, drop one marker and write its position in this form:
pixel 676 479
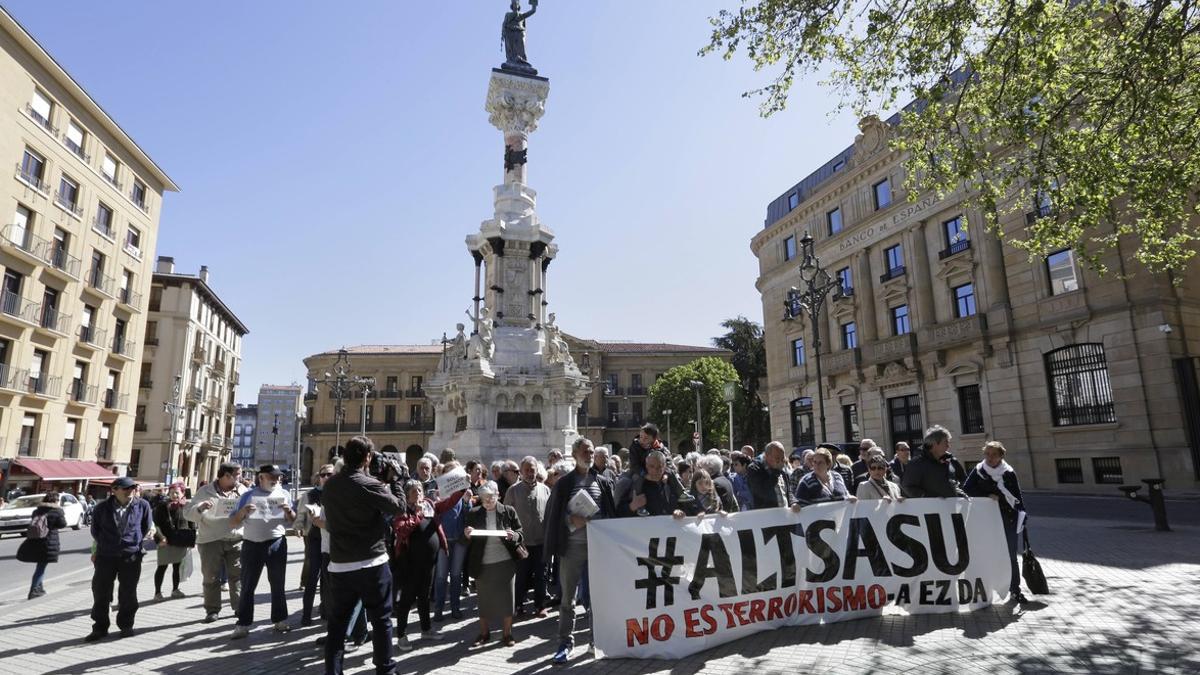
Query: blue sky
pixel 334 155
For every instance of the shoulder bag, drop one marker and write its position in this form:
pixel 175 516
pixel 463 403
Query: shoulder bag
pixel 1031 570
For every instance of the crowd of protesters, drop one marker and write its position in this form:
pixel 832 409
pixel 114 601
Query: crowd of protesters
pixel 380 543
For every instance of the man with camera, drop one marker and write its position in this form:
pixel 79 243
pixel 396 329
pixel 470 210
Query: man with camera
pixel 357 509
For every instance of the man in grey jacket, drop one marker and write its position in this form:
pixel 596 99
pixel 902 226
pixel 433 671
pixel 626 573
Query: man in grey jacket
pixel 218 543
pixel 529 498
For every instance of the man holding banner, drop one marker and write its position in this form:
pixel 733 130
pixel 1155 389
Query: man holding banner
pixel 577 500
pixel 768 479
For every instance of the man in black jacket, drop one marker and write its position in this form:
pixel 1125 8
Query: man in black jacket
pixel 935 473
pixel 566 534
pixel 356 514
pixel 121 524
pixel 768 479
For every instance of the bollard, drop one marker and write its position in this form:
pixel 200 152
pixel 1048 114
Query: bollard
pixel 1158 504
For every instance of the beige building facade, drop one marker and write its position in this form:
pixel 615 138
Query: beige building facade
pixel 1089 381
pixel 399 419
pixel 191 360
pixel 82 206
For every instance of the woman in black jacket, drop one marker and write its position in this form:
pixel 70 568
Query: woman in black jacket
pixel 42 550
pixel 993 477
pixel 176 537
pixel 492 560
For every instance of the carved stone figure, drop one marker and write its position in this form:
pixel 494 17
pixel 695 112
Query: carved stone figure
pixel 556 347
pixel 513 35
pixel 481 345
pixel 456 353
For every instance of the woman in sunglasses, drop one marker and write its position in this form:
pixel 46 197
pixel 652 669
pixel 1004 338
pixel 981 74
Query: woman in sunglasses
pixel 877 485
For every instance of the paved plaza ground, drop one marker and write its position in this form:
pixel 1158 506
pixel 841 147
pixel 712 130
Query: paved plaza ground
pixel 1125 599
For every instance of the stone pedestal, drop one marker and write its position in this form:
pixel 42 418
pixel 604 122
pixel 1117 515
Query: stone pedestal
pixel 511 388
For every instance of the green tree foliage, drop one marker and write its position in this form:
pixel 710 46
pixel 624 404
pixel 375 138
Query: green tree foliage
pixel 671 392
pixel 1091 103
pixel 744 338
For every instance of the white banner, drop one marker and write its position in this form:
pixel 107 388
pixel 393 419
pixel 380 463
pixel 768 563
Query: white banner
pixel 665 588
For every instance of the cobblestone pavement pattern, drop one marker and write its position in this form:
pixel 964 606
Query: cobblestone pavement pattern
pixel 1124 601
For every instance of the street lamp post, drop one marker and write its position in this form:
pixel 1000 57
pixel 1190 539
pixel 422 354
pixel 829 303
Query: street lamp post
pixel 274 438
pixel 366 383
pixel 667 412
pixel 339 382
pixel 175 410
pixel 810 299
pixel 730 391
pixel 696 386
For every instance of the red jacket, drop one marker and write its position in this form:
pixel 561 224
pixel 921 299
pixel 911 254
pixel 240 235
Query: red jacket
pixel 408 520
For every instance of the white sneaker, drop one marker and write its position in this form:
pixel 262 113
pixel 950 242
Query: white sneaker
pixel 239 632
pixel 403 644
pixel 430 635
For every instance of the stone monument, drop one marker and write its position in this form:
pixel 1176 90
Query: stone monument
pixel 511 388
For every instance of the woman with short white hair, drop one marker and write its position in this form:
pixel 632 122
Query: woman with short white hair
pixel 995 478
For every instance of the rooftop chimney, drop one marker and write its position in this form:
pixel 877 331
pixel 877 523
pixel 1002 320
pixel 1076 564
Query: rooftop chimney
pixel 166 265
pixel 204 273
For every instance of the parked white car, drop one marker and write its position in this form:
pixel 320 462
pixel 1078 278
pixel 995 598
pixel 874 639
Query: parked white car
pixel 15 516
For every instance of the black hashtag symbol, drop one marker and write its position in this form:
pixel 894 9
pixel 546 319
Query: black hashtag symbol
pixel 660 577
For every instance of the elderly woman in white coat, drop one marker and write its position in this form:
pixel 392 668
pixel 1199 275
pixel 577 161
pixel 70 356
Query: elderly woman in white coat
pixel 877 486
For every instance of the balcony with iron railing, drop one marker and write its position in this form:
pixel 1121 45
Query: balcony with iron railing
pixel 69 203
pixel 102 449
pixel 391 393
pixel 195 395
pixel 138 197
pixel 76 149
pixel 218 368
pixel 32 180
pixel 1042 211
pixel 217 440
pixel 55 321
pixel 234 377
pixel 58 259
pixel 12 379
pixel 213 403
pixel 92 336
pixel 420 424
pixel 199 354
pixel 84 393
pixel 893 273
pixel 954 248
pixel 132 250
pixel 192 437
pixel 122 348
pixel 42 121
pixel 44 386
pixel 70 448
pixel 613 391
pixel 19 308
pixel 115 401
pixel 25 242
pixel 414 393
pixel 130 298
pixel 104 228
pixel 98 280
pixel 637 391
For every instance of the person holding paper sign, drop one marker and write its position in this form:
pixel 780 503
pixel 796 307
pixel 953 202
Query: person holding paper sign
pixel 264 546
pixel 418 540
pixel 566 534
pixel 219 544
pixel 995 478
pixel 492 560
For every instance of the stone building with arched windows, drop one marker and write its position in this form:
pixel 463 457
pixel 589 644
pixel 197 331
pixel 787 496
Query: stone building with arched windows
pixel 1088 380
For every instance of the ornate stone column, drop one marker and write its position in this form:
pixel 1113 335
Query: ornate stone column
pixel 919 277
pixel 865 290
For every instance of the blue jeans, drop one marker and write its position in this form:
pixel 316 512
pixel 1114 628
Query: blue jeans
pixel 450 565
pixel 255 556
pixel 39 573
pixel 372 586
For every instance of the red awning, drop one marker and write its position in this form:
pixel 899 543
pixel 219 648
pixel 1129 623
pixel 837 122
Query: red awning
pixel 143 483
pixel 60 469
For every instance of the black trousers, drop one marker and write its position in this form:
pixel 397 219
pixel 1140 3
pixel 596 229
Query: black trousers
pixel 415 574
pixel 125 571
pixel 531 573
pixel 372 586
